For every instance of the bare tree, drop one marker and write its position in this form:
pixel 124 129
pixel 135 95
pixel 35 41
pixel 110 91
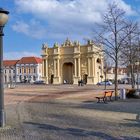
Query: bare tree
pixel 138 59
pixel 111 35
pixel 129 49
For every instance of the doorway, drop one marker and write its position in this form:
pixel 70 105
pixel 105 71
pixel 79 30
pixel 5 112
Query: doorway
pixel 52 76
pixel 85 78
pixel 68 73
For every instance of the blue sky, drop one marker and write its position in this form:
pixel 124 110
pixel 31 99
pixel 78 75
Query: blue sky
pixel 34 22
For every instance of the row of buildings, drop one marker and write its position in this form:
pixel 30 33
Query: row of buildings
pixel 69 62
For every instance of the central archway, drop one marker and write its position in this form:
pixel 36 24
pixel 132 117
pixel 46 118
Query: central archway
pixel 68 72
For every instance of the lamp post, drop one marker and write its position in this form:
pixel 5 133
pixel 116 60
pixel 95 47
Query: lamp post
pixel 3 20
pixel 105 71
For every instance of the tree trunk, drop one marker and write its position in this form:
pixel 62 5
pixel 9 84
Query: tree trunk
pixel 116 80
pixel 132 76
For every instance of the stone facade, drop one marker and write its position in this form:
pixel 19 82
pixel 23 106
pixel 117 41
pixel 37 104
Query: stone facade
pixel 70 62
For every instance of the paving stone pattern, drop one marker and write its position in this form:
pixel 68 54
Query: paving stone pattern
pixel 55 113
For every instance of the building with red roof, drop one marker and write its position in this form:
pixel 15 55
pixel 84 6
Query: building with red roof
pixel 9 63
pixel 29 69
pixel 30 60
pixel 9 70
pixel 26 69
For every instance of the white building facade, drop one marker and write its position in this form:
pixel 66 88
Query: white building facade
pixel 29 69
pixel 122 73
pixel 9 68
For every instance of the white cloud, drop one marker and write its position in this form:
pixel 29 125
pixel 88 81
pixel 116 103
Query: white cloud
pixel 63 17
pixel 18 55
pixel 89 10
pixel 31 28
pixel 127 8
pixel 64 11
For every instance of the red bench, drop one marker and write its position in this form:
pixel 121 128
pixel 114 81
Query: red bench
pixel 106 95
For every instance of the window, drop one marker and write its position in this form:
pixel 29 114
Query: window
pixel 20 70
pixel 5 79
pixel 34 78
pixel 24 70
pixel 34 70
pixel 20 77
pixel 14 77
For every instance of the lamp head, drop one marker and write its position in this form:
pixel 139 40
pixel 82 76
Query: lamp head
pixel 3 16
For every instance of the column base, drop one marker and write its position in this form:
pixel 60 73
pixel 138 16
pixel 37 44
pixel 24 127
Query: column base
pixel 97 80
pixel 90 80
pixel 45 79
pixel 56 80
pixel 75 80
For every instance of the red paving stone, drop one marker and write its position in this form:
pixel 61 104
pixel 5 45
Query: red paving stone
pixel 39 93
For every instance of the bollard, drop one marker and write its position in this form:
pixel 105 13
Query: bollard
pixel 122 94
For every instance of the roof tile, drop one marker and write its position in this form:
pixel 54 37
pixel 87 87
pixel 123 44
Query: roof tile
pixel 30 60
pixel 10 62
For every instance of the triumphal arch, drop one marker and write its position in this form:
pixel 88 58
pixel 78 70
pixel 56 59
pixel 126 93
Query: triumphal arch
pixel 71 62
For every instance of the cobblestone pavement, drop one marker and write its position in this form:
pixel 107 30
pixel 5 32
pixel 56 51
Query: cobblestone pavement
pixel 67 113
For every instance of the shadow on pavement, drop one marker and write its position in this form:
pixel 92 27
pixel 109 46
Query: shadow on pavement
pixel 132 123
pixel 80 132
pixel 126 106
pixel 72 131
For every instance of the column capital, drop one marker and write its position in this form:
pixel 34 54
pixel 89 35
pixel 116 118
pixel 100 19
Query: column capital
pixel 76 56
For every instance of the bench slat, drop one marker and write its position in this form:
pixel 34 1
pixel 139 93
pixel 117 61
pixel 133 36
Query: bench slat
pixel 108 94
pixel 105 96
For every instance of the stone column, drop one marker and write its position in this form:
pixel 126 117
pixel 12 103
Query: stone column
pixel 56 79
pixel 93 67
pixel 43 74
pixel 45 70
pixel 76 71
pixel 46 67
pixel 75 67
pixel 79 68
pixel 54 68
pixel 102 68
pixel 89 74
pixel 58 67
pixel 90 78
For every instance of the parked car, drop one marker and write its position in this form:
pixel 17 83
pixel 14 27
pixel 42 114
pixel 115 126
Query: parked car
pixel 39 82
pixel 108 83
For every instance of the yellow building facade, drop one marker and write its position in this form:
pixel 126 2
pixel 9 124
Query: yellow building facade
pixel 71 62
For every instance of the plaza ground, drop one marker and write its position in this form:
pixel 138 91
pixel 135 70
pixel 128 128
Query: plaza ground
pixel 68 112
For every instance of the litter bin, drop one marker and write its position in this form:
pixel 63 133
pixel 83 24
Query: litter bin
pixel 122 94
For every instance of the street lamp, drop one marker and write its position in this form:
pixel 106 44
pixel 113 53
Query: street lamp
pixel 105 72
pixel 3 21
